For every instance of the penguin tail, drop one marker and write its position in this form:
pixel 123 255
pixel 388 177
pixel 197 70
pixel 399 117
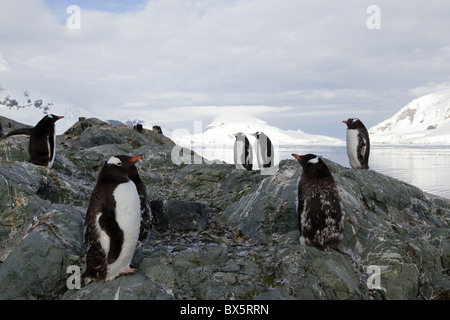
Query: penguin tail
pixel 86 279
pixel 18 132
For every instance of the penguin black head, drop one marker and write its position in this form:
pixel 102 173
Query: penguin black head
pixel 118 167
pixel 312 165
pixel 258 134
pixel 353 123
pixel 239 136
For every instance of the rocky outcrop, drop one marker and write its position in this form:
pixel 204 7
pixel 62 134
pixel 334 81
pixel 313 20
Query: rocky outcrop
pixel 218 233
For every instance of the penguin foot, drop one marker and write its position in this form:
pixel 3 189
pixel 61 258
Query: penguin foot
pixel 127 271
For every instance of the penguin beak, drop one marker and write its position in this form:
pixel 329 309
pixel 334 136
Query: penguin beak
pixel 57 118
pixel 135 158
pixel 345 121
pixel 296 156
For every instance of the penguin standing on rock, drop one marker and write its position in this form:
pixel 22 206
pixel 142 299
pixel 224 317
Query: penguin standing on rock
pixel 243 154
pixel 264 150
pixel 42 140
pixel 320 213
pixel 112 224
pixel 358 144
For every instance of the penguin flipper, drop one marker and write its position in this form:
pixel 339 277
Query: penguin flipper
pixel 18 132
pixel 248 160
pixel 51 143
pixel 362 149
pixel 109 225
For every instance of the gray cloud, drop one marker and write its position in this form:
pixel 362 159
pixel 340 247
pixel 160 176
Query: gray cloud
pixel 316 57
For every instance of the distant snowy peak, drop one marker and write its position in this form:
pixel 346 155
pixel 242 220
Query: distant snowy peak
pixel 425 120
pixel 29 107
pixel 220 132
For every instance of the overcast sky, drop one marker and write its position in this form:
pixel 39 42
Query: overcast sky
pixel 295 64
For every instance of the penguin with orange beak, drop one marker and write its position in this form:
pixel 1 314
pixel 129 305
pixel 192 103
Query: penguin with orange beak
pixel 113 221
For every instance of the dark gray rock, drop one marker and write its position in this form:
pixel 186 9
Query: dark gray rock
pixel 275 196
pixel 37 267
pixel 177 215
pixel 133 287
pixel 15 149
pixel 94 136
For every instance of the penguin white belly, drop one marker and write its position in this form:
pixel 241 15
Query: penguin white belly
pixel 128 211
pixel 352 148
pixel 52 159
pixel 260 156
pixel 239 154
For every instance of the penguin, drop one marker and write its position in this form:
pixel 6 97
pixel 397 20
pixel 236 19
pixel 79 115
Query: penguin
pixel 42 140
pixel 112 224
pixel 146 214
pixel 157 129
pixel 319 208
pixel 264 150
pixel 358 144
pixel 243 154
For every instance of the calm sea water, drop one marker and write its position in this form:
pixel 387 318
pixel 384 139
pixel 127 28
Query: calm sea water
pixel 427 167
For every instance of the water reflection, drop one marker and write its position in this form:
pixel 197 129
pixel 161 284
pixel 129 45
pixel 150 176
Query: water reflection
pixel 427 167
pixel 422 166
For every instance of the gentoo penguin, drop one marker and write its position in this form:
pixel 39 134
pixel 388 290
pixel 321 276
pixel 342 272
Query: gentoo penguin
pixel 42 140
pixel 243 154
pixel 358 144
pixel 264 150
pixel 320 214
pixel 112 224
pixel 146 214
pixel 157 129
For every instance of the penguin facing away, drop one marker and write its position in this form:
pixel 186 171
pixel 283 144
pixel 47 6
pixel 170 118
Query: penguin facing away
pixel 243 153
pixel 42 140
pixel 112 224
pixel 264 150
pixel 358 144
pixel 319 209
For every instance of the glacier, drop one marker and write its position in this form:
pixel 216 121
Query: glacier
pixel 425 120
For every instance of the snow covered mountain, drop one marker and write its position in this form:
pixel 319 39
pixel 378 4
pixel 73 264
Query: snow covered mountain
pixel 217 140
pixel 30 107
pixel 425 120
pixel 221 130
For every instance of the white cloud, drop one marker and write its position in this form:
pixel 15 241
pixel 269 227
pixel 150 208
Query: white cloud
pixel 185 53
